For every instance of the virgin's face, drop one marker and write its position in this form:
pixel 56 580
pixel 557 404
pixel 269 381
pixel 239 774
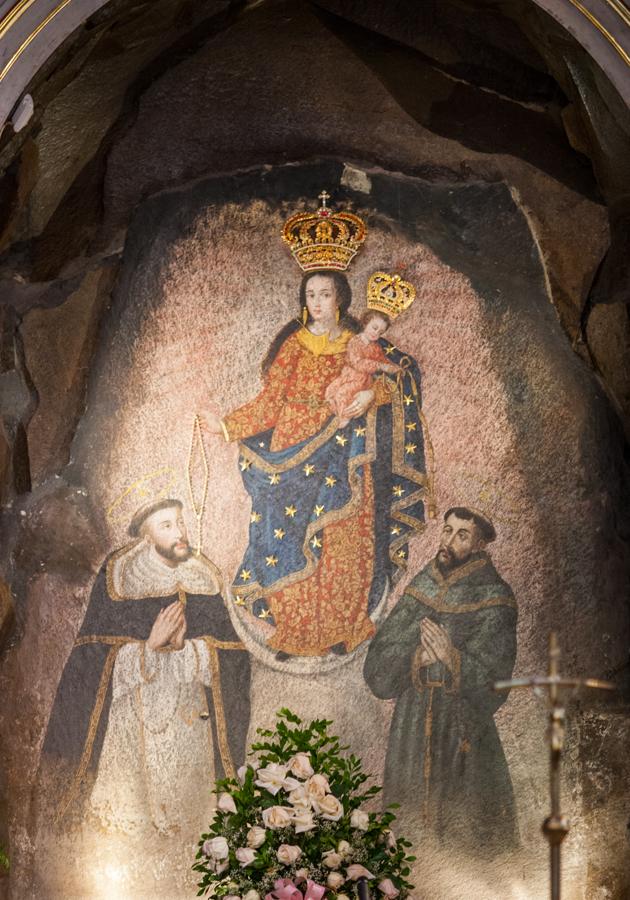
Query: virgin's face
pixel 321 298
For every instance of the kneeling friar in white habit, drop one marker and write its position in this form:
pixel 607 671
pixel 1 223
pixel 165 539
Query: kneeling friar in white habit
pixel 154 698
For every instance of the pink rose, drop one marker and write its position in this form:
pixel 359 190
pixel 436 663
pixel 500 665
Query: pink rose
pixel 256 837
pixel 359 819
pixel 329 808
pixel 302 821
pixel 301 766
pixel 332 859
pixel 277 816
pixel 288 854
pixel 355 871
pixel 216 847
pixel 387 887
pixel 226 803
pixel 317 787
pixel 245 856
pixel 271 777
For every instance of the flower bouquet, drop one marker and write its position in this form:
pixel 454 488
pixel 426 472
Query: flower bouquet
pixel 292 825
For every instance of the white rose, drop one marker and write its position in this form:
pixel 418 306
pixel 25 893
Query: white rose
pixel 387 887
pixel 360 820
pixel 256 837
pixel 226 803
pixel 344 848
pixel 291 784
pixel 271 778
pixel 241 773
pixel 335 880
pixel 277 816
pixel 300 798
pixel 317 787
pixel 232 897
pixel 252 895
pixel 329 808
pixel 288 854
pixel 303 821
pixel 332 859
pixel 216 847
pixel 245 856
pixel 300 875
pixel 301 766
pixel 356 871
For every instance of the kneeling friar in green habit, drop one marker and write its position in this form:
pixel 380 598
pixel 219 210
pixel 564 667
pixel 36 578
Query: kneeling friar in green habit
pixel 450 636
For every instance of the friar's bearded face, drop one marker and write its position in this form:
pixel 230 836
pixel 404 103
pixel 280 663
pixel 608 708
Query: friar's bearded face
pixel 166 530
pixel 460 539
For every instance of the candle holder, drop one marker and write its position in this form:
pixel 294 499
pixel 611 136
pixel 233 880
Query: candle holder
pixel 556 825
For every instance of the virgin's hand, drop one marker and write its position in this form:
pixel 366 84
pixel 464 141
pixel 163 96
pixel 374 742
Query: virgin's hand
pixel 359 405
pixel 211 423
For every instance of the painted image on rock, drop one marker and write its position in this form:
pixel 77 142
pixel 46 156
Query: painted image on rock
pixel 302 496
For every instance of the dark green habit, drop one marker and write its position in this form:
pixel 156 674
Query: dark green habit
pixel 445 765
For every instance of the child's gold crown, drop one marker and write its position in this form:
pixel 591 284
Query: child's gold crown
pixel 324 239
pixel 389 294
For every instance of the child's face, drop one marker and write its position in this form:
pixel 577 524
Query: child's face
pixel 375 328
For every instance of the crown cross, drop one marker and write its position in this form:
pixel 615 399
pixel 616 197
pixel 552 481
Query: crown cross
pixel 324 239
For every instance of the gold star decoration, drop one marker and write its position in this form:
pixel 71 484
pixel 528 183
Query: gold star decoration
pixel 401 554
pixel 341 440
pixel 389 350
pixel 279 533
pixel 330 480
pixel 410 426
pixel 245 464
pixel 238 600
pixel 396 529
pixel 261 443
pixel 274 479
pixel 255 518
pixel 246 574
pixel 410 448
pixel 398 490
pixel 318 511
pixel 308 469
pixel 271 561
pixel 360 431
pixel 315 543
pixel 408 400
pixel 290 511
pixel 265 614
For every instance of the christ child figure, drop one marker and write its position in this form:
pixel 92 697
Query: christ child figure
pixel 364 357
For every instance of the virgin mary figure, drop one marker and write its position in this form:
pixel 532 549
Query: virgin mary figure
pixel 333 506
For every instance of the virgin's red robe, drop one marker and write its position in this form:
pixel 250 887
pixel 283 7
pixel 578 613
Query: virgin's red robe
pixel 329 606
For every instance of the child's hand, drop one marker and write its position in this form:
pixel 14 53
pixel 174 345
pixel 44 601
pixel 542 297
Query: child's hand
pixel 391 368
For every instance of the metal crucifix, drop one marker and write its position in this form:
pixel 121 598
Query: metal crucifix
pixel 556 826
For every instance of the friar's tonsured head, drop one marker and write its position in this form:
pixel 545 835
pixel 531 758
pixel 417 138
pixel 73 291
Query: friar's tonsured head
pixel 466 530
pixel 162 524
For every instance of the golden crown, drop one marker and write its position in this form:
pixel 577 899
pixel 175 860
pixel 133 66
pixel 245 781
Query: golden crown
pixel 389 294
pixel 324 239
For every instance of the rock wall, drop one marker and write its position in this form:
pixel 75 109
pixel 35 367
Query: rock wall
pixel 144 280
